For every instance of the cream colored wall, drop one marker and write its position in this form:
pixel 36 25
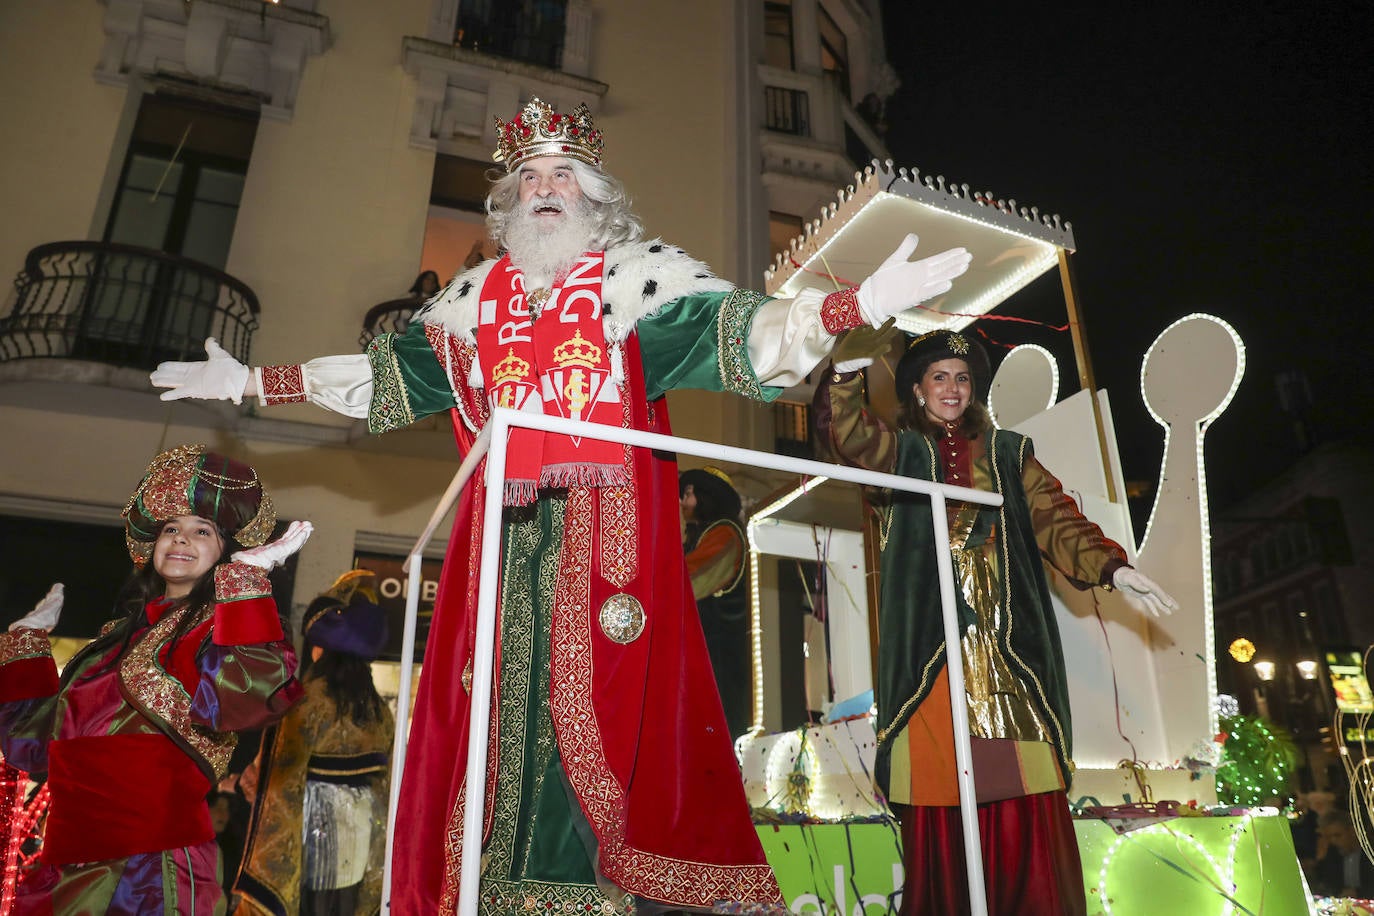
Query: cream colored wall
pixel 59 125
pixel 332 218
pixel 669 137
pixel 99 460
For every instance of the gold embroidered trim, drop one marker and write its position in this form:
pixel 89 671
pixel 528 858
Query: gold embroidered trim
pixel 840 310
pixel 603 798
pixel 1059 739
pixel 240 581
pixel 159 694
pixel 283 385
pixel 732 339
pixel 619 540
pixel 390 408
pixel 256 532
pixel 887 732
pixel 17 645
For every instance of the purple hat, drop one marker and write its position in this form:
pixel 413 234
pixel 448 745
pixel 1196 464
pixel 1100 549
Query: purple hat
pixel 343 619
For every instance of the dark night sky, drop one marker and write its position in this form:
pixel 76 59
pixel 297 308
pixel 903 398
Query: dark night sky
pixel 1209 161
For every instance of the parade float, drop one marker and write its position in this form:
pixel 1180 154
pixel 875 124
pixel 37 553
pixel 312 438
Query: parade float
pixel 1143 690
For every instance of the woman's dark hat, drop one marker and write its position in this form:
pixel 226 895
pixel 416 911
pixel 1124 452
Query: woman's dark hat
pixel 347 618
pixel 935 346
pixel 715 484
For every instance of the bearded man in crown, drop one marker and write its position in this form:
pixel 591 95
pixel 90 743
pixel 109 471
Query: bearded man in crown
pixel 612 784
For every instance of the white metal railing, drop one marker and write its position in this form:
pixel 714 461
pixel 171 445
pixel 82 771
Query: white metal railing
pixel 492 442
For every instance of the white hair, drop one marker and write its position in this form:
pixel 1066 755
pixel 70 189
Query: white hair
pixel 612 222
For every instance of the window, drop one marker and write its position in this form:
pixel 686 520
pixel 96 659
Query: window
pixel 181 183
pixel 792 429
pixel 834 50
pixel 456 231
pixel 525 30
pixel 777 34
pixel 787 111
pixel 178 193
pixel 782 229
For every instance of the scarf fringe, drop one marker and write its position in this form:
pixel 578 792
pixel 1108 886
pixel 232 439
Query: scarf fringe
pixel 567 475
pixel 524 491
pixel 519 492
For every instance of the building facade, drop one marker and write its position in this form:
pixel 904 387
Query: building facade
pixel 1293 568
pixel 277 175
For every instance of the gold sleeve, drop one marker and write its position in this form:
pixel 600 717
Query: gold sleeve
pixel 1071 542
pixel 846 430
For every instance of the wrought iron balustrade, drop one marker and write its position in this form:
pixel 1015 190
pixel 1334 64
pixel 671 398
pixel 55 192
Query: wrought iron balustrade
pixel 123 304
pixel 392 316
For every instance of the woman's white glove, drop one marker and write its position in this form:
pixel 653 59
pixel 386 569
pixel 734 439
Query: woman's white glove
pixel 270 556
pixel 45 613
pixel 899 284
pixel 1143 593
pixel 220 377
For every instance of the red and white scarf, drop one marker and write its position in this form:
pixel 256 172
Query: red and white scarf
pixel 559 363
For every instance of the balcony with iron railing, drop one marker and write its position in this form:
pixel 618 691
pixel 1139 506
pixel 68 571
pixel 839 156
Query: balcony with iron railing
pixel 390 317
pixel 122 305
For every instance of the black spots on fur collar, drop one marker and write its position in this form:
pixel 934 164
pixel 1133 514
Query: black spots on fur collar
pixel 611 272
pixel 655 248
pixel 701 276
pixel 465 288
pixel 605 308
pixel 650 287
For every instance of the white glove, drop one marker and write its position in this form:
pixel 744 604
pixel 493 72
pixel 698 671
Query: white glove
pixel 899 284
pixel 270 556
pixel 218 378
pixel 1143 593
pixel 44 614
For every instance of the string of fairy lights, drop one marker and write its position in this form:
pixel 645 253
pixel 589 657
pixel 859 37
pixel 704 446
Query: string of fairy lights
pixel 20 823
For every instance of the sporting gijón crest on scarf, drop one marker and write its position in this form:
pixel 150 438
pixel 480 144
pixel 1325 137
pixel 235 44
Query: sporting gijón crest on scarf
pixel 554 360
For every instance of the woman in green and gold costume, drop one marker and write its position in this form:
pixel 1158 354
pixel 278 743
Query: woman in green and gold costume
pixel 1017 695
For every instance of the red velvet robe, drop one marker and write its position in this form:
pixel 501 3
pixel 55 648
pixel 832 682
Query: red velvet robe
pixel 640 729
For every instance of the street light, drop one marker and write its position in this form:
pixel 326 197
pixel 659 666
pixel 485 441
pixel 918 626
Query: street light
pixel 1264 670
pixel 1307 668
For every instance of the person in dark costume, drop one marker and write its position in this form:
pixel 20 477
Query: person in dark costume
pixel 717 562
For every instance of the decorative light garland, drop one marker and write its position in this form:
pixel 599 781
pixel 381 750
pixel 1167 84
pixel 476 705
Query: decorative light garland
pixel 755 603
pixel 20 823
pixel 1209 625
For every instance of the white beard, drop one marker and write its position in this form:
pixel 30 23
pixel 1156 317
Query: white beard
pixel 545 253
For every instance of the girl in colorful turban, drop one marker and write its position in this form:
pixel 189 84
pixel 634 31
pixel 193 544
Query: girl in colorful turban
pixel 141 723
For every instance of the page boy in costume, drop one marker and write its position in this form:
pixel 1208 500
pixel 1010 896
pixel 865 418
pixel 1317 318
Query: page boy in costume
pixel 717 560
pixel 318 836
pixel 143 720
pixel 606 783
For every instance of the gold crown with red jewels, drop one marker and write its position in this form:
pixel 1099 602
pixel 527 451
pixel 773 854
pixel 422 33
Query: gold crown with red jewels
pixel 510 369
pixel 538 130
pixel 577 352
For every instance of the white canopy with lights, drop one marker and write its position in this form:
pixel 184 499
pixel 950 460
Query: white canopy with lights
pixel 1011 244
